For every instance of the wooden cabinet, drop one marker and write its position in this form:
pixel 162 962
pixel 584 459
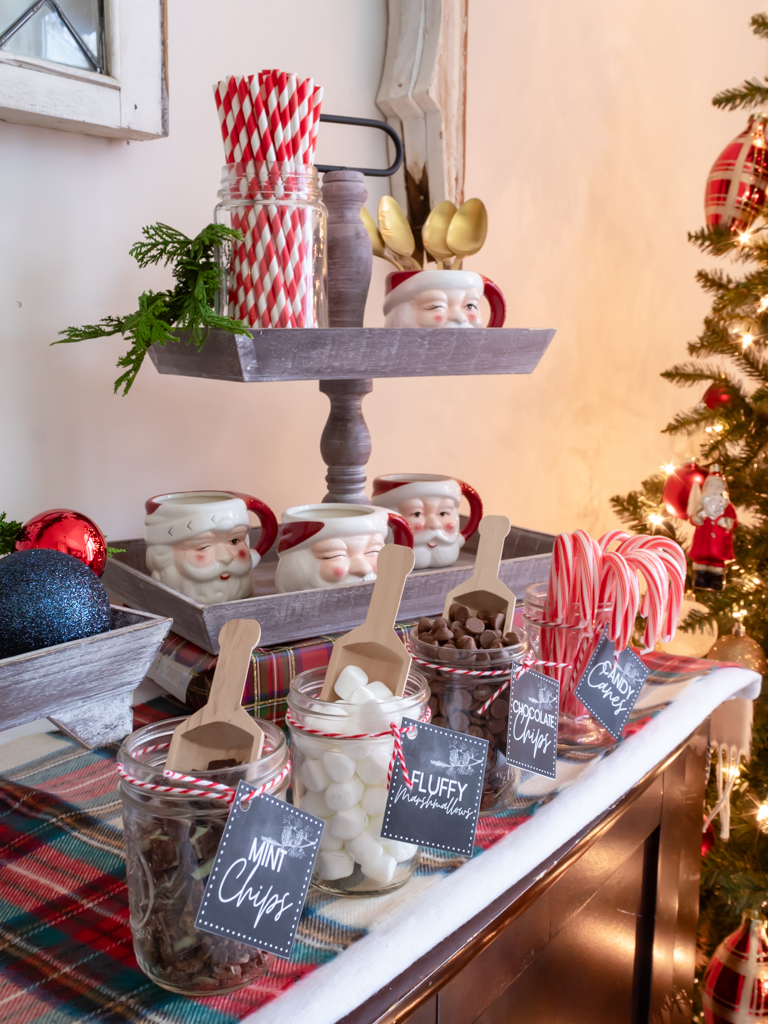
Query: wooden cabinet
pixel 603 933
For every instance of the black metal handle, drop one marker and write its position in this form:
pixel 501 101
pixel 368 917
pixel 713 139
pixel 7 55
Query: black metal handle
pixel 365 122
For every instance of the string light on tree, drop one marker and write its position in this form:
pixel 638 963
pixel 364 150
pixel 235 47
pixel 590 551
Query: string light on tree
pixel 655 519
pixel 746 341
pixel 669 468
pixel 745 238
pixel 764 303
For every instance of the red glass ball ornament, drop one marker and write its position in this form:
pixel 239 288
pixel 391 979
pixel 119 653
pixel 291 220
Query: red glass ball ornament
pixel 735 982
pixel 736 186
pixel 677 488
pixel 61 529
pixel 716 396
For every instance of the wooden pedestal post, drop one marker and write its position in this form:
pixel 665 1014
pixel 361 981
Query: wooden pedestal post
pixel 346 443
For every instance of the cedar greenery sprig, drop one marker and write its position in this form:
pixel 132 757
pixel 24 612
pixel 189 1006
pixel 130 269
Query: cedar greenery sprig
pixel 188 306
pixel 9 534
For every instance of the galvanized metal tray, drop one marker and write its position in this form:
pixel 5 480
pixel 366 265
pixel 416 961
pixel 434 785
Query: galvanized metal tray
pixel 306 613
pixel 84 686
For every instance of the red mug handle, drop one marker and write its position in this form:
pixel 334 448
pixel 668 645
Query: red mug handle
pixel 475 509
pixel 496 301
pixel 401 531
pixel 267 521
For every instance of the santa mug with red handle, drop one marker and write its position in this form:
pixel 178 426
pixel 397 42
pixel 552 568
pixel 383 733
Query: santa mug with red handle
pixel 441 298
pixel 430 505
pixel 331 544
pixel 197 543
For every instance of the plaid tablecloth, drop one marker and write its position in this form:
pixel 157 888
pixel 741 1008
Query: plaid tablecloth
pixel 65 944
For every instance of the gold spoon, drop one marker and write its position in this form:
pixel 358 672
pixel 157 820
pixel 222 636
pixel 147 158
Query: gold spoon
pixel 377 242
pixel 434 232
pixel 468 230
pixel 396 231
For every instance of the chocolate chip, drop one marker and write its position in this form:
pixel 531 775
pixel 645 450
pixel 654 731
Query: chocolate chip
pixel 443 634
pixel 497 621
pixel 475 730
pixel 487 637
pixel 474 625
pixel 460 612
pixel 511 639
pixel 467 643
pixel 424 626
pixel 499 709
pixel 458 721
pixel 439 622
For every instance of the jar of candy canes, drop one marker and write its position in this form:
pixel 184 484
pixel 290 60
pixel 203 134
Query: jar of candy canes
pixel 171 839
pixel 461 683
pixel 276 275
pixel 344 781
pixel 569 647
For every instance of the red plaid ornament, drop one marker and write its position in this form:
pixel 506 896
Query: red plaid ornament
pixel 736 978
pixel 736 186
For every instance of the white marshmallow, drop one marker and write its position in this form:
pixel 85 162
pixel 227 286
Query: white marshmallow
pixel 375 826
pixel 399 850
pixel 348 824
pixel 309 745
pixel 342 795
pixel 327 707
pixel 380 691
pixel 373 768
pixel 358 748
pixel 362 695
pixel 314 803
pixel 339 767
pixel 329 842
pixel 374 799
pixel 380 870
pixel 350 679
pixel 364 848
pixel 314 776
pixel 335 864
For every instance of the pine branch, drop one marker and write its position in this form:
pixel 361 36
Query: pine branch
pixel 188 307
pixel 10 532
pixel 751 93
pixel 759 23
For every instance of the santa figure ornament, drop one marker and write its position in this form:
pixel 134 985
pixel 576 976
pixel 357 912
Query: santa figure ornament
pixel 714 518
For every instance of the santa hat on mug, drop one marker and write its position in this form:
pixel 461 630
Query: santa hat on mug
pixel 301 531
pixel 168 522
pixel 391 490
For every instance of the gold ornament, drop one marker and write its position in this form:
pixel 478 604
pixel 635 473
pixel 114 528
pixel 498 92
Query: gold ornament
pixel 741 649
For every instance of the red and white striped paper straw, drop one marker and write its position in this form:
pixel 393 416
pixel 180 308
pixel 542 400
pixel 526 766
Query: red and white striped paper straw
pixel 269 126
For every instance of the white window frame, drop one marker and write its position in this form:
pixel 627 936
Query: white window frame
pixel 129 102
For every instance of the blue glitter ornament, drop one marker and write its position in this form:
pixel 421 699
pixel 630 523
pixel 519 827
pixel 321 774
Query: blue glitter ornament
pixel 47 598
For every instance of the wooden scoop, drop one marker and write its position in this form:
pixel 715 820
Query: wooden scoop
pixel 484 591
pixel 222 731
pixel 375 646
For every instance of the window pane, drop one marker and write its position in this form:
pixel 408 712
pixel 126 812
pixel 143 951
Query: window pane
pixel 46 34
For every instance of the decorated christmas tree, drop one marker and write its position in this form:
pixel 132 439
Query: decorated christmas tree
pixel 727 429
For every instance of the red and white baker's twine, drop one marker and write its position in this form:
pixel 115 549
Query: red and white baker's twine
pixel 214 790
pixel 395 731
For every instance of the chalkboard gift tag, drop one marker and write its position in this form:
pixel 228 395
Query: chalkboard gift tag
pixel 259 880
pixel 609 686
pixel 446 769
pixel 532 731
